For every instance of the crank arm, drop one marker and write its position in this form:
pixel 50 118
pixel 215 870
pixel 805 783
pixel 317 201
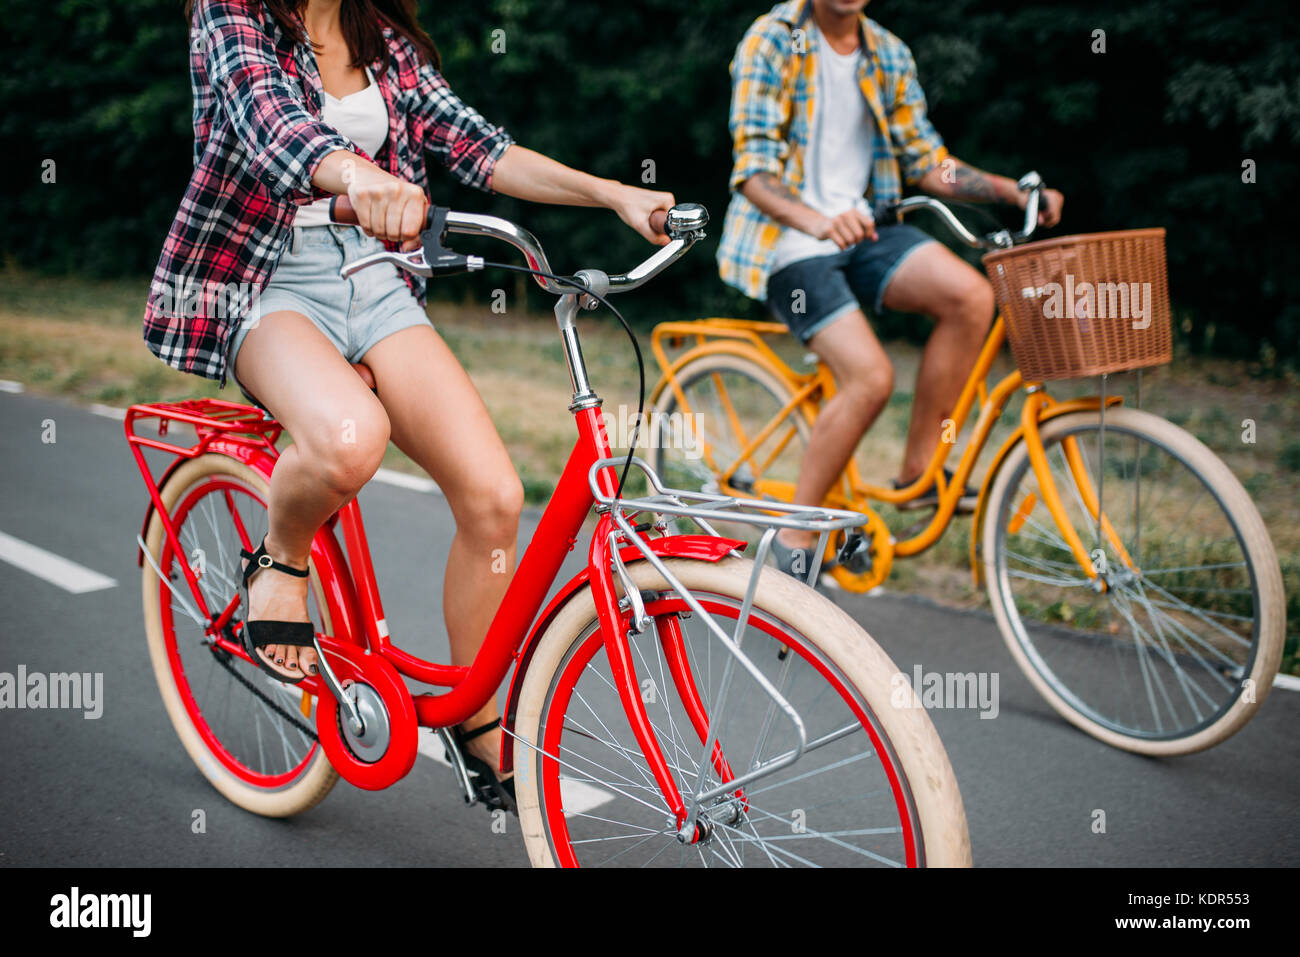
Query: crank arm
pixel 336 689
pixel 458 765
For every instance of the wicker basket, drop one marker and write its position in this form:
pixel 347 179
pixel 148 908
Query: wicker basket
pixel 1085 305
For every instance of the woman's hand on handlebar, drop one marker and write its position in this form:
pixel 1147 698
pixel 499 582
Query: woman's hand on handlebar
pixel 635 206
pixel 388 208
pixel 848 228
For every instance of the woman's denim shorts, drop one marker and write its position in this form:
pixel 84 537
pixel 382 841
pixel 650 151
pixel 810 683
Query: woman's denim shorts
pixel 353 313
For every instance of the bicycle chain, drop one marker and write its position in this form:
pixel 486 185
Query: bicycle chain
pixel 222 658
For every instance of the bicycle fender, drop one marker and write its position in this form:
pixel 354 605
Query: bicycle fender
pixel 326 553
pixel 977 520
pixel 707 548
pixel 254 457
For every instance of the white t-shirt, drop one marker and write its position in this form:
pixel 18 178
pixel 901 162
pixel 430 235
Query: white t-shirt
pixel 363 118
pixel 837 164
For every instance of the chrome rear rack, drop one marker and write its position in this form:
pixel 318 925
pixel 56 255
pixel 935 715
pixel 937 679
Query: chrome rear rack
pixel 700 507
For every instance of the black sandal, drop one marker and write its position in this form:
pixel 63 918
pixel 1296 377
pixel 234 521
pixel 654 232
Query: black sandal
pixel 259 634
pixel 495 793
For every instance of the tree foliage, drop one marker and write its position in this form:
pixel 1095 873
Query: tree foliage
pixel 1156 130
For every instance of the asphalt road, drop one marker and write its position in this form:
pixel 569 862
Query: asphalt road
pixel 120 790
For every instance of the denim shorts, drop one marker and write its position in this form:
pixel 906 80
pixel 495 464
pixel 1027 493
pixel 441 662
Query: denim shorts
pixel 833 286
pixel 353 313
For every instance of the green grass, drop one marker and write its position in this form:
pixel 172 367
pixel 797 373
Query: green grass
pixel 81 339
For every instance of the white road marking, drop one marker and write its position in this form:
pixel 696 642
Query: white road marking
pixel 107 411
pixel 1289 682
pixel 413 482
pixel 9 385
pixel 579 796
pixel 53 568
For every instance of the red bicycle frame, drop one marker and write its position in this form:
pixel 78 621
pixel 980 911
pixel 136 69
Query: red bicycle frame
pixel 352 591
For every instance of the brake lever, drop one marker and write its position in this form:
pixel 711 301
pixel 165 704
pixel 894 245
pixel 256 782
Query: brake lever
pixel 432 259
pixel 412 262
pixel 438 259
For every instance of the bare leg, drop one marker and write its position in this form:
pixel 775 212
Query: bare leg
pixel 439 420
pixel 864 379
pixel 935 283
pixel 339 432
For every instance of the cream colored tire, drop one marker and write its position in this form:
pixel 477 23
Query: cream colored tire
pixel 921 758
pixel 1236 502
pixel 315 780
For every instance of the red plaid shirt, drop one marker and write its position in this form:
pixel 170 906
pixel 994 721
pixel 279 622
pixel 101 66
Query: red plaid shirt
pixel 258 138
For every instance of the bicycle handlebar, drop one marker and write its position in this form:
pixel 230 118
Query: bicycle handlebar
pixel 684 224
pixel 1031 182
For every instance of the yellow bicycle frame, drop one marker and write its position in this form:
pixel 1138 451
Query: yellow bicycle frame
pixel 744 339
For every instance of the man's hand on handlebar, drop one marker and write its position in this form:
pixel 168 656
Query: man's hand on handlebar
pixel 1050 202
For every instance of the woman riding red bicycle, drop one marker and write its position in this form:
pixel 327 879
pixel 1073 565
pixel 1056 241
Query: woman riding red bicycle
pixel 295 102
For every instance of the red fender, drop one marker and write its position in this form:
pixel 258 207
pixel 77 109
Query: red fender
pixel 707 548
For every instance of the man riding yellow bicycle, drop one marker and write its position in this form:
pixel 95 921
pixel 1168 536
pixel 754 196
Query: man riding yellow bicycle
pixel 827 119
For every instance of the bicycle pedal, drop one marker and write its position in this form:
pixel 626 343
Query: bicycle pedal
pixel 855 554
pixel 473 788
pixel 468 789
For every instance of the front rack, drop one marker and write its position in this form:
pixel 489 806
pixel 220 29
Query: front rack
pixel 700 507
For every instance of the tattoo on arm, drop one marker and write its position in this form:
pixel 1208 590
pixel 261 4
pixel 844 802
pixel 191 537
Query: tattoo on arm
pixel 771 184
pixel 973 184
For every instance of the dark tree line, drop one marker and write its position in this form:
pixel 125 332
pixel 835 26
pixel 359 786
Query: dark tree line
pixel 1156 130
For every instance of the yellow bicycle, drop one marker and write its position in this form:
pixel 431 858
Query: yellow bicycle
pixel 1129 572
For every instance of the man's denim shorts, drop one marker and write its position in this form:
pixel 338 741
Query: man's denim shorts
pixel 810 294
pixel 353 313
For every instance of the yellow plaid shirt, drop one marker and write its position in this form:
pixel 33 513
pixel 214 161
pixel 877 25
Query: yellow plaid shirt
pixel 773 77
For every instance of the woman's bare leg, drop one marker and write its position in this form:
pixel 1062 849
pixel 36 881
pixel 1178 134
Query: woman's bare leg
pixel 339 431
pixel 439 420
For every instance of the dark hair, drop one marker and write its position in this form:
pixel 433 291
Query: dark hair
pixel 360 21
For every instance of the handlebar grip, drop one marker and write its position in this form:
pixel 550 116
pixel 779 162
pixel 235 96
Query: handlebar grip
pixel 885 213
pixel 658 219
pixel 341 211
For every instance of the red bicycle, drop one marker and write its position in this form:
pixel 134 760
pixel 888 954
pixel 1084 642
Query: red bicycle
pixel 674 703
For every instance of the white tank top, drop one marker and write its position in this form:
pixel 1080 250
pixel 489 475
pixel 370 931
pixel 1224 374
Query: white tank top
pixel 363 118
pixel 837 164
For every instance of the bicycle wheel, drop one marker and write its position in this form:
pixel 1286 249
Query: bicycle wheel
pixel 881 793
pixel 246 731
pixel 1181 648
pixel 732 400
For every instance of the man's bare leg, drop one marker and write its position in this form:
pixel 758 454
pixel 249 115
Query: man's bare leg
pixel 935 283
pixel 864 379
